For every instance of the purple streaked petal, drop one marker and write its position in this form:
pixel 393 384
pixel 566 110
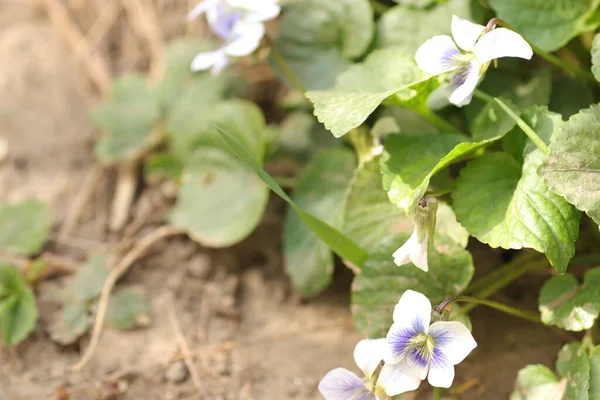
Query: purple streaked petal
pixel 438 55
pixel 341 384
pixel 453 339
pixel 463 83
pixel 223 20
pixel 413 311
pixel 398 341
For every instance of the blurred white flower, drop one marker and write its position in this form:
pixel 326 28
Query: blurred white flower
pixel 341 384
pixel 430 351
pixel 467 62
pixel 415 248
pixel 239 23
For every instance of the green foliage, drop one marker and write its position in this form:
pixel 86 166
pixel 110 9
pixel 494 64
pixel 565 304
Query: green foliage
pixel 338 242
pixel 369 217
pixel 87 284
pixel 320 191
pixel 407 28
pixel 566 303
pixel 596 57
pixel 213 205
pixel 573 167
pixel 127 310
pixel 127 118
pixel 504 203
pixel 577 368
pixel 24 227
pixel 380 284
pixel 69 323
pixel 319 39
pixel 549 24
pixel 362 88
pixel 18 310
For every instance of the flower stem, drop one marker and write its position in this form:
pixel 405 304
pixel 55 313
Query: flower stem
pixel 437 393
pixel 436 120
pixel 500 307
pixel 522 124
pixel 552 59
pixel 519 263
pixel 285 68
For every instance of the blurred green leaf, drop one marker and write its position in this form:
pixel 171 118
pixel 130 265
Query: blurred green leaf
pixel 379 286
pixel 318 39
pixel 24 227
pixel 573 167
pixel 407 28
pixel 128 118
pixel 18 310
pixel 596 57
pixel 69 324
pixel 446 225
pixel 549 24
pixel 536 382
pixel 369 217
pixel 220 201
pixel 87 283
pixel 338 242
pixel 127 309
pixel 320 191
pixel 566 303
pixel 362 88
pixel 573 363
pixel 493 122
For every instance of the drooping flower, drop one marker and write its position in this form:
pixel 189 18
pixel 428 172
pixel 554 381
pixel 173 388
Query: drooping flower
pixel 468 55
pixel 415 248
pixel 342 384
pixel 430 350
pixel 239 23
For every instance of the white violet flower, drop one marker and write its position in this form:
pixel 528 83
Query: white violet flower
pixel 468 55
pixel 341 384
pixel 239 23
pixel 415 248
pixel 429 350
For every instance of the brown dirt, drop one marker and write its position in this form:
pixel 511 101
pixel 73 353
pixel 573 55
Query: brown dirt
pixel 281 345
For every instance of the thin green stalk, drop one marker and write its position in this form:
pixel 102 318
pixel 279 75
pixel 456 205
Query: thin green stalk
pixel 437 393
pixel 522 124
pixel 497 274
pixel 436 120
pixel 285 68
pixel 529 316
pixel 552 59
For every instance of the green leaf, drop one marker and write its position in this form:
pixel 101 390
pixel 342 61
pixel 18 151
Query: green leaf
pixel 595 373
pixel 320 191
pixel 549 24
pixel 362 88
pixel 573 167
pixel 369 217
pixel 573 363
pixel 493 122
pixel 408 28
pixel 411 160
pixel 596 57
pixel 576 368
pixel 87 284
pixel 446 225
pixel 127 310
pixel 506 204
pixel 318 39
pixel 566 303
pixel 220 201
pixel 338 242
pixel 24 227
pixel 376 290
pixel 535 382
pixel 128 118
pixel 69 324
pixel 18 310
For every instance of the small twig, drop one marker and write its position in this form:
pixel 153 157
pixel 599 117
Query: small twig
pixel 79 202
pixel 124 193
pixel 183 346
pixel 100 27
pixel 95 67
pixel 145 23
pixel 115 274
